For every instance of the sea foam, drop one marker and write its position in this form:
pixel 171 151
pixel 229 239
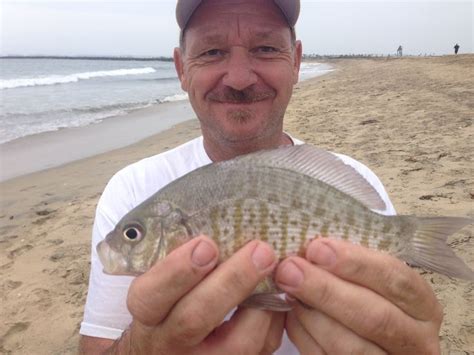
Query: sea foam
pixel 71 78
pixel 175 97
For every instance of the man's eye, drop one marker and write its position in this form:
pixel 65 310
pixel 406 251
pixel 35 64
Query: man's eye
pixel 212 53
pixel 266 49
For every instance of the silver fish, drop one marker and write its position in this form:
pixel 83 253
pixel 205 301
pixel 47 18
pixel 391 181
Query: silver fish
pixel 285 197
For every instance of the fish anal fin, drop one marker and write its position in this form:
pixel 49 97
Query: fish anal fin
pixel 267 301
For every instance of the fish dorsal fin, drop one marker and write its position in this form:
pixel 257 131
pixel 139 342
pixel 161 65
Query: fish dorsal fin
pixel 321 165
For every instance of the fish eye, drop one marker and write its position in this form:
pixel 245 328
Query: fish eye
pixel 133 233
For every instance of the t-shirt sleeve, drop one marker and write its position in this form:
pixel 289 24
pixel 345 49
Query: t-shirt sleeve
pixel 106 314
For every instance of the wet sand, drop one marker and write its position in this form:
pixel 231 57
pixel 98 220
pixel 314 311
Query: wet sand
pixel 50 149
pixel 409 119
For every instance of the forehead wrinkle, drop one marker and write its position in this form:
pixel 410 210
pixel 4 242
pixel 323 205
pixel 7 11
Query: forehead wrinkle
pixel 259 34
pixel 263 35
pixel 214 38
pixel 222 9
pixel 233 31
pixel 213 33
pixel 208 35
pixel 238 26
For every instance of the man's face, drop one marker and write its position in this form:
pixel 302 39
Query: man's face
pixel 238 66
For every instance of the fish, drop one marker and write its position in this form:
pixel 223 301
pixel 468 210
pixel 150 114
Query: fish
pixel 286 197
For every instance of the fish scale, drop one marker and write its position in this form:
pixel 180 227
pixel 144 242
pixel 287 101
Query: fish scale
pixel 285 197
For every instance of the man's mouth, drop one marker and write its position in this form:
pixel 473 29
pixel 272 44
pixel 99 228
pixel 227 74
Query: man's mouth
pixel 239 97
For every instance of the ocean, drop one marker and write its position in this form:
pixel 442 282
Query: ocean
pixel 41 95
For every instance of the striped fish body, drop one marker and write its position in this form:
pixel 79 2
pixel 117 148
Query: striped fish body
pixel 275 197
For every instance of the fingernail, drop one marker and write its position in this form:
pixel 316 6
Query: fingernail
pixel 203 254
pixel 320 253
pixel 263 256
pixel 290 275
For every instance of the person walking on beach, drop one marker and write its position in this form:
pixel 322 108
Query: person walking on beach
pixel 238 61
pixel 456 48
pixel 400 51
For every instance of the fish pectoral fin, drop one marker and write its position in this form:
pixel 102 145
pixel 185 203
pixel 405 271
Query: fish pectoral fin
pixel 267 301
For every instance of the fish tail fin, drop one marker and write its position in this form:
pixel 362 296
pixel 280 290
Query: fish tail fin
pixel 428 248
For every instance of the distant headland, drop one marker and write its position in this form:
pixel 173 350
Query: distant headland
pixel 121 58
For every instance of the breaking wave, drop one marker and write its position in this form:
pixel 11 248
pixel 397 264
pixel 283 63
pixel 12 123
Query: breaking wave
pixel 175 97
pixel 71 78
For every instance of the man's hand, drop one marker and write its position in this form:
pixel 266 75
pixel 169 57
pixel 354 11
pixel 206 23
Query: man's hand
pixel 349 299
pixel 178 305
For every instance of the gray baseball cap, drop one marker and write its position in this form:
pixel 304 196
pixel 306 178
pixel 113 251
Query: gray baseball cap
pixel 186 8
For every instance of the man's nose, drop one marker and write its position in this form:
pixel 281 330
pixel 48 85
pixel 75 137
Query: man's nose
pixel 240 73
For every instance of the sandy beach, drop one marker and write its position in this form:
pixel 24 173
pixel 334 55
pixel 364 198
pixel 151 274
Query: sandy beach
pixel 409 119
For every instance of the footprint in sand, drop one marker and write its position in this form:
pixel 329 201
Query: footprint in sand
pixel 12 285
pixel 435 197
pixel 6 265
pixel 58 255
pixel 42 298
pixel 44 212
pixel 41 221
pixel 7 239
pixel 27 188
pixel 76 277
pixel 367 122
pixel 455 183
pixel 55 241
pixel 13 330
pixel 18 251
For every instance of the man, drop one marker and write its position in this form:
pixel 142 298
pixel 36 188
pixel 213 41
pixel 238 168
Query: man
pixel 400 51
pixel 456 48
pixel 238 61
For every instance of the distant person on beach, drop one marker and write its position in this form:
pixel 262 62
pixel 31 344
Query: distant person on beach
pixel 400 51
pixel 238 61
pixel 456 48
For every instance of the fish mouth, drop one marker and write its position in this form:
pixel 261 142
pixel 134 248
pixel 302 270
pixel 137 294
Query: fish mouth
pixel 114 263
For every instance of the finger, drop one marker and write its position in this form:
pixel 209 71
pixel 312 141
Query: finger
pixel 363 311
pixel 331 335
pixel 154 293
pixel 275 333
pixel 300 337
pixel 244 333
pixel 386 275
pixel 204 308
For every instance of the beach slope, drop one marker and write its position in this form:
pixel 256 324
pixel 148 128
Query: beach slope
pixel 409 119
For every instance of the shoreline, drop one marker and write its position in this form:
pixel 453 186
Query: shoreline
pixel 55 148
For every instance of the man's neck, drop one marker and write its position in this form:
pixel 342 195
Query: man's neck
pixel 219 152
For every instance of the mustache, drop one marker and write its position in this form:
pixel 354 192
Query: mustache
pixel 246 96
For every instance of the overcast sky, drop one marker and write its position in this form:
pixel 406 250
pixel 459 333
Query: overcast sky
pixel 148 28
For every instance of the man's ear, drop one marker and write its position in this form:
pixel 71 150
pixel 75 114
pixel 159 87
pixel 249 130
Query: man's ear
pixel 179 66
pixel 297 55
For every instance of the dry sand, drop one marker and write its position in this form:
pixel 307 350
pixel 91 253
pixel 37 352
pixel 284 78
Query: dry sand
pixel 409 119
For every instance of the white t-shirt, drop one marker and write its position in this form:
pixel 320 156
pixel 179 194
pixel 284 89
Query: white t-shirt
pixel 106 314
